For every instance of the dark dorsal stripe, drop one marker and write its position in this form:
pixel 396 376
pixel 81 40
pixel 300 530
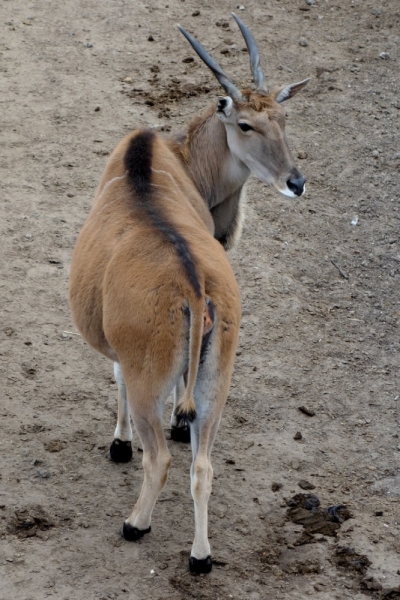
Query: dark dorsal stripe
pixel 137 160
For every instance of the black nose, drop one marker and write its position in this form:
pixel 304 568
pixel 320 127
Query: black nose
pixel 296 185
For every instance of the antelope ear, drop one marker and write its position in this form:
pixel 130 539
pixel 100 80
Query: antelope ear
pixel 224 107
pixel 289 91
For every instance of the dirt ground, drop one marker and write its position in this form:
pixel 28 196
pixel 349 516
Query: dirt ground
pixel 321 307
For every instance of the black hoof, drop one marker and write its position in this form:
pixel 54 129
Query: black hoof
pixel 132 534
pixel 120 452
pixel 181 433
pixel 200 565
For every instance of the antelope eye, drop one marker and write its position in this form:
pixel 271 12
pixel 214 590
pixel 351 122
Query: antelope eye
pixel 245 126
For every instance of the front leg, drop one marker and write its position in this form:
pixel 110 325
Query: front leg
pixel 121 447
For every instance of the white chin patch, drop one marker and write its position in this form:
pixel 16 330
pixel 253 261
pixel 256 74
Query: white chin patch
pixel 288 193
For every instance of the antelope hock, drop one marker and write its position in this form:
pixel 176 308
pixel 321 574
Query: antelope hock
pixel 151 287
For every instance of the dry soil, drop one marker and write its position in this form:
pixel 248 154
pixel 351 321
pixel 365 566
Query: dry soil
pixel 320 287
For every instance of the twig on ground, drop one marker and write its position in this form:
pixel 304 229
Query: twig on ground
pixel 339 268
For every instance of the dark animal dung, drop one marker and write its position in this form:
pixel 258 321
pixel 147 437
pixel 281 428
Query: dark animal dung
pixel 305 509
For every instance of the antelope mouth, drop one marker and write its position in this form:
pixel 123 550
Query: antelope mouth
pixel 290 193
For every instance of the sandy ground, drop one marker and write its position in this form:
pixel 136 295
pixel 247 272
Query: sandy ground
pixel 76 76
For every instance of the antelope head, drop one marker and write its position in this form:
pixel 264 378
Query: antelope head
pixel 255 121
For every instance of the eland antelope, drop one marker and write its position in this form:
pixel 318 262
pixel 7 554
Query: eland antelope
pixel 151 286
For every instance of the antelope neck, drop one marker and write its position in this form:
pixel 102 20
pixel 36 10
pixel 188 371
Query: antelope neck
pixel 215 171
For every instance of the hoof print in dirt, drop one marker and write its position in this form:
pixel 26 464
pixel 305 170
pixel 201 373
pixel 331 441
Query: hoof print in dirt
pixel 132 534
pixel 120 452
pixel 181 433
pixel 348 558
pixel 371 584
pixel 391 594
pixel 200 565
pixel 28 522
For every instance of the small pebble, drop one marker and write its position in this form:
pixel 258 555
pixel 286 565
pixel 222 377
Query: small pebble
pixel 384 55
pixel 97 109
pixel 354 221
pixel 276 486
pixel 379 513
pixel 306 411
pixel 89 45
pixel 302 154
pixel 298 436
pixel 241 7
pixel 195 13
pixel 303 42
pixel 306 485
pixel 310 2
pixel 150 38
pixel 43 473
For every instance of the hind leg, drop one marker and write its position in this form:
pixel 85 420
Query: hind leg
pixel 146 413
pixel 210 394
pixel 121 447
pixel 201 474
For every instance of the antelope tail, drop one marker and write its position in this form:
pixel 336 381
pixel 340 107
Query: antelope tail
pixel 186 408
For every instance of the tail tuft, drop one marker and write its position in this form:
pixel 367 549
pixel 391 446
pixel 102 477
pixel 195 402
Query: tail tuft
pixel 185 412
